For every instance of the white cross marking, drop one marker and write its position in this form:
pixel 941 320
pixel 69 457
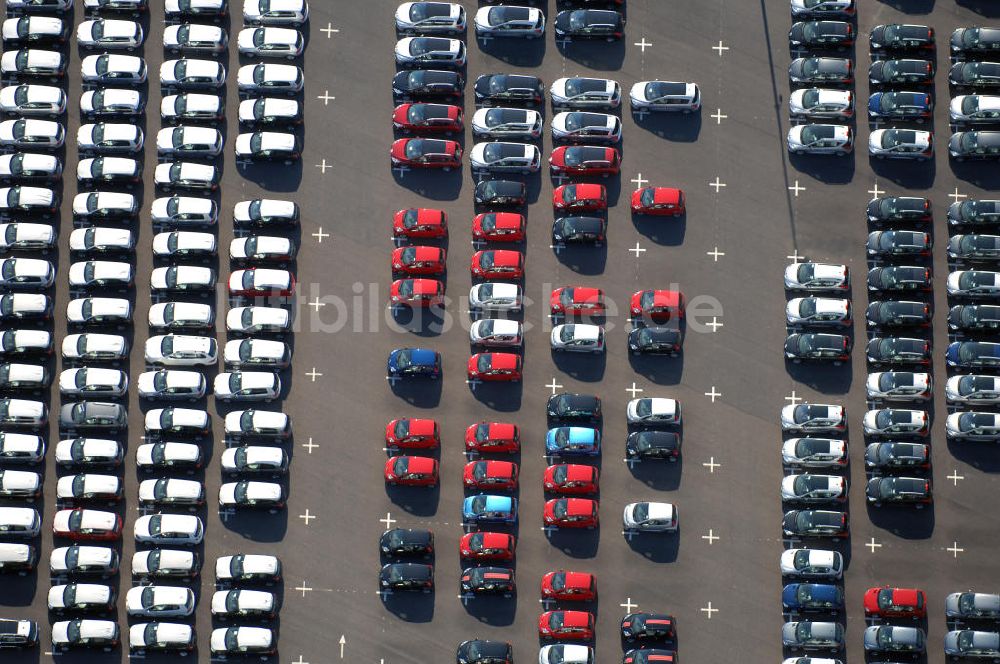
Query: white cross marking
pixel 323 166
pixel 711 465
pixel 719 117
pixel 402 170
pixel 628 605
pixel 873 545
pixel 629 534
pixel 715 254
pixel 307 516
pixel 955 549
pixel 560 177
pixel 313 374
pixel 310 446
pixel 226 514
pixel 329 30
pixel 715 324
pixel 643 44
pixel 557 247
pixel 300 661
pixel 711 395
pixel 303 588
pixel 709 610
pixel 473 384
pixel 548 530
pixel 564 42
pixel 316 303
pixel 796 188
pixel 793 398
pixel 637 250
pixel 718 184
pixel 711 537
pixel 319 235
pixel 875 191
pixel 553 385
pixel 634 390
pixel 393 380
pixel 794 257
pixel 720 48
pixel 955 477
pixel 641 114
pixel 325 97
pixel 388 520
pixel 954 196
pixel 639 181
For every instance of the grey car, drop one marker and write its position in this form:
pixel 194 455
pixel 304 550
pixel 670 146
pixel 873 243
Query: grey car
pixel 812 635
pixel 972 605
pixel 973 644
pixel 93 416
pixel 894 639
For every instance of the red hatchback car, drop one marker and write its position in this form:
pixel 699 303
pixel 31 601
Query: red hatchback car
pixel 585 160
pixel 888 602
pixel 490 475
pixel 412 434
pixel 487 546
pixel 419 260
pixel 659 201
pixel 493 437
pixel 576 300
pixel 416 292
pixel 575 625
pixel 582 197
pixel 570 513
pixel 411 471
pixel 659 305
pixel 426 153
pixel 571 478
pixel 86 524
pixel 569 586
pixel 495 367
pixel 499 226
pixel 497 264
pixel 420 222
pixel 427 118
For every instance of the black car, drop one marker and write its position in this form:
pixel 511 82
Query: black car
pixel 898 350
pixel 815 523
pixel 975 74
pixel 835 348
pixel 590 230
pixel 92 416
pixel 821 70
pixel 975 40
pixel 648 626
pixel 898 490
pixel 890 244
pixel 589 24
pixel 899 278
pixel 974 247
pixel 407 576
pixel 653 445
pixel 974 145
pixel 901 37
pixel 501 192
pixel 898 313
pixel 483 651
pixel 821 34
pixel 427 83
pixel 974 317
pixel 407 542
pixel 488 580
pixel 649 656
pixel 655 341
pixel 892 456
pixel 897 72
pixel 974 212
pixel 899 208
pixel 506 88
pixel 568 406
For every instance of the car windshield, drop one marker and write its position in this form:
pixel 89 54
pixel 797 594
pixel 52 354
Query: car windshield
pixel 75 519
pixel 808 483
pixel 807 307
pixel 884 637
pixel 484 363
pixel 157 454
pixel 803 631
pixel 240 493
pixel 578 20
pixel 887 417
pixel 567 333
pixel 479 504
pixel 233 639
pixel 969 351
pixel 486 260
pixel 417 113
pixel 494 152
pixel 73 631
pixel 560 509
pixel 640 512
pixel 802 559
pixel 579 156
pixel 805 273
pixel 415 148
pixel 556 620
pixel 813 133
pixel 972 279
pixel 807 343
pixel 894 138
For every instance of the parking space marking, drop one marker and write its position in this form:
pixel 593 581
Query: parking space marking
pixel 711 537
pixel 628 605
pixel 715 324
pixel 325 97
pixel 634 390
pixel 319 235
pixel 715 254
pixel 478 244
pixel 553 385
pixel 955 477
pixel 718 184
pixel 402 170
pixel 226 514
pixel 322 166
pixel 796 188
pixel 793 398
pixel 303 588
pixel 643 45
pixel 955 549
pixel 329 30
pixel 637 249
pixel 560 178
pixel 794 257
pixel 709 610
pixel 388 520
pixel 393 380
pixel 639 181
pixel 316 303
pixel 307 516
pixel 313 375
pixel 310 446
pixel 713 394
pixel 872 545
pixel 720 48
pixel 473 384
pixel 875 191
pixel 299 661
pixel 718 115
pixel 954 196
pixel 711 464
pixel 629 534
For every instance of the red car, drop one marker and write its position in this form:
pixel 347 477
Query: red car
pixel 576 625
pixel 260 282
pixel 411 471
pixel 495 367
pixel 585 160
pixel 499 226
pixel 487 546
pixel 490 475
pixel 412 434
pixel 569 586
pixel 493 437
pixel 416 292
pixel 437 118
pixel 659 305
pixel 571 478
pixel 497 264
pixel 582 197
pixel 576 300
pixel 426 153
pixel 659 201
pixel 86 524
pixel 887 602
pixel 419 260
pixel 420 222
pixel 570 513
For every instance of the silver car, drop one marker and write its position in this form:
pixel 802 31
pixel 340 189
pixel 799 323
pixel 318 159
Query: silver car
pixel 665 96
pixel 577 337
pixel 105 33
pixel 111 101
pixel 271 42
pixel 975 109
pixel 899 386
pixel 813 417
pixel 580 92
pixel 650 517
pixel 832 139
pixel 812 564
pixel 509 21
pixel 430 52
pixel 495 296
pixel 501 122
pixel 275 12
pixel 579 126
pixel 974 283
pixel 897 422
pixel 973 425
pixel 501 157
pixel 818 311
pixel 30 133
pixel 414 18
pixel 973 389
pixel 181 529
pixel 901 144
pixel 184 211
pixel 817 277
pixel 809 488
pixel 821 103
pixel 195 37
pixel 192 106
pixel 28 100
pixel 113 68
pixel 495 332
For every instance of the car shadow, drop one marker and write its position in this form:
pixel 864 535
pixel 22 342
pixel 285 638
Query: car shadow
pixel 676 127
pixel 257 525
pixel 436 186
pixel 597 55
pixel 984 7
pixel 419 321
pixel 582 259
pixel 824 168
pixel 415 500
pixel 910 175
pixel 498 610
pixel 504 397
pixel 583 367
pixel 411 607
pixel 926 6
pixel 828 380
pixel 517 52
pixel 974 173
pixel 575 543
pixel 904 521
pixel 666 231
pixel 274 176
pixel 658 475
pixel 659 369
pixel 418 392
pixel 656 547
pixel 977 455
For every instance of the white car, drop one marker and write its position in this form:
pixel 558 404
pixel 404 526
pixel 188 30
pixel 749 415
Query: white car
pixel 267 145
pixel 254 423
pixel 87 274
pixel 653 411
pixel 257 282
pixel 109 170
pixel 93 381
pixel 809 488
pixel 160 601
pixel 96 239
pixel 243 640
pixel 113 68
pixel 979 109
pixel 23 235
pixel 161 636
pixel 104 204
pixel 26 273
pixel 183 243
pixel 20 522
pixel 265 212
pixel 164 563
pixel 586 126
pixel 837 140
pixel 30 166
pixel 24 305
pixel 250 353
pixel 822 8
pixel 168 456
pixel 81 597
pixel 171 491
pixel 577 338
pixel 33 28
pixel 182 529
pixel 495 332
pixel 501 122
pixel 270 111
pixel 195 37
pixel 973 389
pixel 184 210
pixel 85 632
pixel 28 133
pixel 16 342
pixel 416 52
pixel 40 5
pixel 901 144
pixel 88 452
pixel 257 459
pixel 813 417
pixel 502 157
pixel 261 248
pixel 254 320
pixel 109 137
pixel 89 486
pixel 496 296
pixel 208 8
pixel 973 425
pixel 275 12
pixel 973 283
pixel 247 386
pixel 812 564
pixel 817 277
pixel 89 560
pixel 20 198
pixel 650 517
pixel 580 92
pixel 23 377
pixel 818 311
pixel 665 96
pixel 181 350
pixel 897 422
pixel 286 79
pixel 32 62
pixel 271 42
pixel 33 100
pixel 182 278
pixel 243 603
pixel 192 73
pixel 181 315
pixel 821 103
pixel 247 493
pixel 567 653
pixel 177 420
pixel 189 141
pixel 136 7
pixel 192 106
pixel 23 484
pixel 107 33
pixel 422 17
pixel 509 21
pixel 247 567
pixel 899 386
pixel 186 175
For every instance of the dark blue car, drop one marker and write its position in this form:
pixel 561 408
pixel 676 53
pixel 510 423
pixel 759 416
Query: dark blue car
pixel 802 597
pixel 407 362
pixel 901 105
pixel 973 354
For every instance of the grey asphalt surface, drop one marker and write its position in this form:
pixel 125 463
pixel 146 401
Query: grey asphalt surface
pixel 331 561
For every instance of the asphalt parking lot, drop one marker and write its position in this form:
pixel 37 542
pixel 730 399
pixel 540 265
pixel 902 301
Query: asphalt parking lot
pixel 750 207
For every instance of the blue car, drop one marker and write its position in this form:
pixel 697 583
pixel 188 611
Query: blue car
pixel 973 355
pixel 407 362
pixel 573 441
pixel 900 106
pixel 802 597
pixel 489 509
